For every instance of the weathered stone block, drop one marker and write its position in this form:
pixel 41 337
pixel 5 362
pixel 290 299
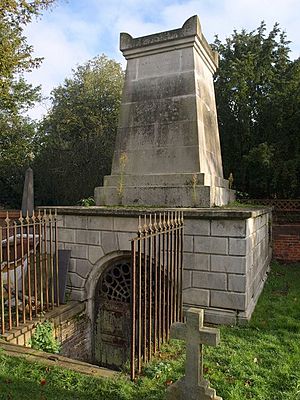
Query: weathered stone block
pixel 88 237
pixel 196 261
pixel 100 223
pixel 75 221
pixel 237 283
pixel 188 244
pixel 197 227
pixel 210 245
pixel 77 294
pixel 75 280
pixel 233 301
pixel 237 265
pixel 240 247
pixel 77 250
pixel 209 280
pixel 124 240
pixel 83 268
pixel 199 297
pixel 233 228
pixel 95 253
pixel 66 235
pixel 109 242
pixel 126 225
pixel 159 64
pixel 187 279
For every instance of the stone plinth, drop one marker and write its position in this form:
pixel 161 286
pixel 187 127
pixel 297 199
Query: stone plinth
pixel 167 149
pixel 226 254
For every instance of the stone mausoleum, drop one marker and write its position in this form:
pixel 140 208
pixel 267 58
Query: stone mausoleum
pixel 168 156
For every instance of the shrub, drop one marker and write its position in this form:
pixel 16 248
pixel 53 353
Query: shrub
pixel 43 338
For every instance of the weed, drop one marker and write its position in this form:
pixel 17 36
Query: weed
pixel 43 338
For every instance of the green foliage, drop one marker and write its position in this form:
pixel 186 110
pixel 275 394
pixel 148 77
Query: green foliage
pixel 43 338
pixel 90 201
pixel 258 103
pixel 77 136
pixel 157 370
pixel 16 95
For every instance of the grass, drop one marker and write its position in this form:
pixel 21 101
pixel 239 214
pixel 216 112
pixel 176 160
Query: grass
pixel 259 361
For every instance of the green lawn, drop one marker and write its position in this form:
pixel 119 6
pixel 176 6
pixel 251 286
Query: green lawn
pixel 259 361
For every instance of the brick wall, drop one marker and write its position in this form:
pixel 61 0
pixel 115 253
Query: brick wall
pixel 286 242
pixel 71 328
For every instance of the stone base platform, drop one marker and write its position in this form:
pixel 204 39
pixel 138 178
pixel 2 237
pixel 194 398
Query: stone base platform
pixel 161 190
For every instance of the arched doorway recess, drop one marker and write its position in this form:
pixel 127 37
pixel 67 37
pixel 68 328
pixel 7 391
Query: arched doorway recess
pixel 112 322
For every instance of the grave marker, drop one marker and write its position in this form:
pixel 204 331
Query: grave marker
pixel 193 386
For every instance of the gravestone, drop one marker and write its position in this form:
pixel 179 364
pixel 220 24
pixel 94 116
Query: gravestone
pixel 167 150
pixel 28 198
pixel 193 386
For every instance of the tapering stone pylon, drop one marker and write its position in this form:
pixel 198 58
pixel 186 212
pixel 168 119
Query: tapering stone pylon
pixel 167 148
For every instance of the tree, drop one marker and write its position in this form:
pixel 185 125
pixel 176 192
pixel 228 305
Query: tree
pixel 257 93
pixel 16 95
pixel 79 133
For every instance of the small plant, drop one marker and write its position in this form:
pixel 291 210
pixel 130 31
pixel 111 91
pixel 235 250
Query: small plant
pixel 123 161
pixel 88 202
pixel 43 338
pixel 157 370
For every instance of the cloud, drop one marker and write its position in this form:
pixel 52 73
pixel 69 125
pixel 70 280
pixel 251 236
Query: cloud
pixel 76 31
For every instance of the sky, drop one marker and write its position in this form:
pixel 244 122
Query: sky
pixel 74 31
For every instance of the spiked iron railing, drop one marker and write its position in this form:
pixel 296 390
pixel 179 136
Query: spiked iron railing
pixel 29 283
pixel 156 288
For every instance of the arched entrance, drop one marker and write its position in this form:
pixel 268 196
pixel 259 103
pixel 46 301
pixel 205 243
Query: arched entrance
pixel 112 322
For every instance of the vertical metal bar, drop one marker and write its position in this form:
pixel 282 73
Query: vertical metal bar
pixel 22 268
pixel 171 270
pixel 150 288
pixel 159 337
pixel 7 220
pixel 155 284
pixel 168 279
pixel 133 309
pixel 28 265
pixel 51 258
pixel 139 365
pixel 181 266
pixel 56 257
pixel 34 265
pixel 15 273
pixel 174 266
pixel 45 257
pixel 145 292
pixel 41 281
pixel 164 278
pixel 177 267
pixel 1 285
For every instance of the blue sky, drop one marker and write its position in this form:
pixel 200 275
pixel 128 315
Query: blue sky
pixel 75 31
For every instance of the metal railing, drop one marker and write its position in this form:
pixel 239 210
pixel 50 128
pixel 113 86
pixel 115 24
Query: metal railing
pixel 156 284
pixel 29 283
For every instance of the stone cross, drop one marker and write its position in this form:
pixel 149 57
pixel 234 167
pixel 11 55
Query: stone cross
pixel 193 386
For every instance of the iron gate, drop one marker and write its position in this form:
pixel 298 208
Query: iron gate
pixel 156 284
